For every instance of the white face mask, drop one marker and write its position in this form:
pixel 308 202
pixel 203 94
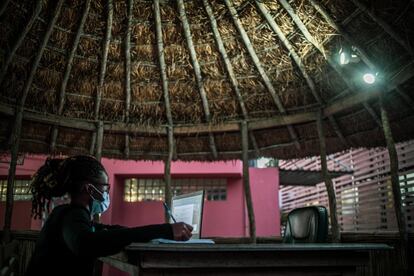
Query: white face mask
pixel 98 207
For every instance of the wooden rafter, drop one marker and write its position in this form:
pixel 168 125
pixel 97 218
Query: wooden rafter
pixel 302 26
pixel 197 70
pixel 20 39
pixel 4 6
pixel 259 67
pixel 104 59
pixel 336 236
pixel 229 68
pixel 298 61
pixel 17 125
pixel 246 180
pixel 364 56
pixel 333 65
pixel 332 108
pixel 102 70
pixel 167 170
pixel 170 132
pixel 68 69
pixel 99 140
pixel 395 183
pixel 161 60
pixel 384 25
pixel 127 53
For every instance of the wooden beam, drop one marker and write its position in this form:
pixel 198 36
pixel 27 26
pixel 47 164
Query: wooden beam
pixel 224 56
pixel 128 71
pixel 102 71
pixel 302 26
pixel 246 181
pixel 4 6
pixel 384 25
pixel 228 67
pixel 337 106
pixel 17 126
pixel 167 171
pixel 20 39
pixel 68 70
pixel 336 235
pixel 161 60
pixel 127 53
pixel 392 151
pixel 93 143
pixel 104 59
pixel 254 57
pixel 10 184
pixel 259 67
pixel 197 70
pixel 298 61
pixel 99 140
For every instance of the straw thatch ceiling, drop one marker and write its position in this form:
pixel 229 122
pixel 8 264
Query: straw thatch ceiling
pixel 130 72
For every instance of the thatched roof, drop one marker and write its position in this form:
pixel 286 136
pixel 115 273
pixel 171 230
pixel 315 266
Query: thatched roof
pixel 128 72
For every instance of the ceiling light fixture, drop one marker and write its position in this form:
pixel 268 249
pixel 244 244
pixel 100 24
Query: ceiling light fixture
pixel 369 78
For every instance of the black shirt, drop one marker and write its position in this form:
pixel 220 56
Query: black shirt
pixel 69 242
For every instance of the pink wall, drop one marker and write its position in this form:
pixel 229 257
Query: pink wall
pixel 221 218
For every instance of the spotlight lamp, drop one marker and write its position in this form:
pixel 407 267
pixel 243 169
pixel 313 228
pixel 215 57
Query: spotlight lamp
pixel 348 55
pixel 369 78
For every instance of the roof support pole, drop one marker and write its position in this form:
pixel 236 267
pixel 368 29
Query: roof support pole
pixel 68 70
pixel 127 53
pixel 99 140
pixel 392 152
pixel 20 39
pixel 197 71
pixel 260 69
pixel 298 61
pixel 336 235
pixel 384 25
pixel 10 180
pixel 102 71
pixel 167 170
pixel 170 131
pixel 17 126
pixel 246 181
pixel 229 68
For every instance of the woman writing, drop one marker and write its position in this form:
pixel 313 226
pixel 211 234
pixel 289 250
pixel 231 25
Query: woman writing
pixel 69 241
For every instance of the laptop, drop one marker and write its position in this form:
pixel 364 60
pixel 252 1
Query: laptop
pixel 188 208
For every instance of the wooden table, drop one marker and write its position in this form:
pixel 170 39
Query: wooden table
pixel 244 259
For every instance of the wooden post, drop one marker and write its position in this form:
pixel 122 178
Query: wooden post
pixel 17 126
pixel 336 235
pixel 20 39
pixel 392 151
pixel 99 140
pixel 167 171
pixel 246 181
pixel 10 180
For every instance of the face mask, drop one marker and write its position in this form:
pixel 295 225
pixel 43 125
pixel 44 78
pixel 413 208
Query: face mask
pixel 98 207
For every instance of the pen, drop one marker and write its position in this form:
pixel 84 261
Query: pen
pixel 169 211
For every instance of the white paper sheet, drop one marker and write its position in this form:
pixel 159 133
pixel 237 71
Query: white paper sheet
pixel 184 213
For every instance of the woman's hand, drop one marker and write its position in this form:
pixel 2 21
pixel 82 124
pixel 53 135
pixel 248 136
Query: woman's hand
pixel 181 231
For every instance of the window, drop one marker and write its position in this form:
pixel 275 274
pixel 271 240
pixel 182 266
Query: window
pixel 21 190
pixel 152 189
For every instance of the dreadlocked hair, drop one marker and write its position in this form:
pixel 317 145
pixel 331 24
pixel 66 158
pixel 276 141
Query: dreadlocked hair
pixel 60 176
